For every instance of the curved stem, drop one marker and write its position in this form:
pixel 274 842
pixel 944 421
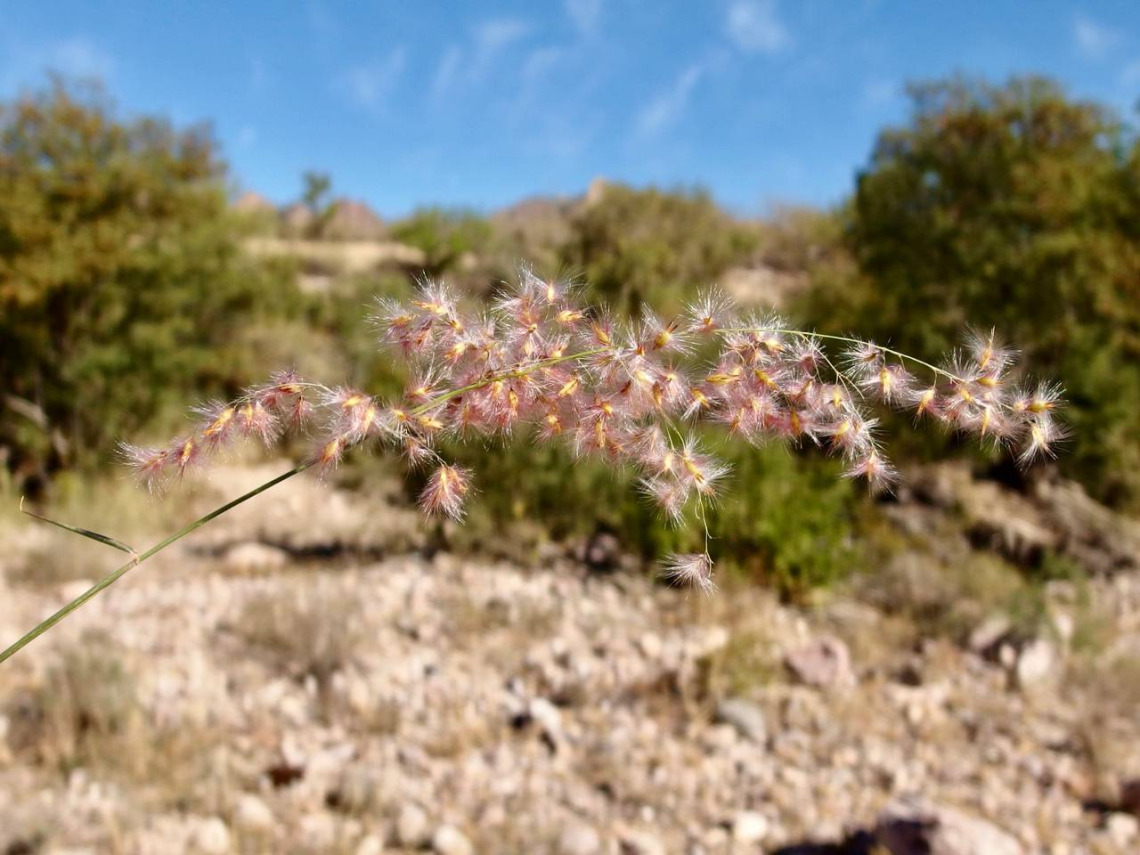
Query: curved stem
pixel 110 579
pixel 846 339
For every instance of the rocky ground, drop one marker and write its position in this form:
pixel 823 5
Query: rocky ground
pixel 303 677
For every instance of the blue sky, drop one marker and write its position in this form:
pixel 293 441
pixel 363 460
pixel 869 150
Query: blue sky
pixel 481 104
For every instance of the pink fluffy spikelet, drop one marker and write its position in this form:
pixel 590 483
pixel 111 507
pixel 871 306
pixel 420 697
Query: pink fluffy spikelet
pixel 627 394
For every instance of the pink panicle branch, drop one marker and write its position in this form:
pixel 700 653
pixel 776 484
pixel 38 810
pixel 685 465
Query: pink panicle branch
pixel 629 394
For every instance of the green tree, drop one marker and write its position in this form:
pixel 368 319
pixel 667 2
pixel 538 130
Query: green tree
pixel 122 282
pixel 316 197
pixel 1015 207
pixel 318 185
pixel 650 245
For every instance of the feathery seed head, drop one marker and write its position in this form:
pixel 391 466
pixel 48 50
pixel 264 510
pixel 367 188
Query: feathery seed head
pixel 446 491
pixel 694 570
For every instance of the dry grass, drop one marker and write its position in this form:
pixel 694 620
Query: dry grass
pixel 61 559
pixel 311 632
pixel 83 712
pixel 748 661
pixel 947 601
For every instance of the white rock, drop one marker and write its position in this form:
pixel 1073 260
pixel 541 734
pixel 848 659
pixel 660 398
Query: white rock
pixel 255 556
pixel 650 645
pixel 252 814
pixel 212 837
pixel 749 827
pixel 449 840
pixel 370 845
pixel 579 839
pixel 640 843
pixel 1036 664
pixel 989 632
pixel 1122 828
pixel 412 829
pixel 747 718
pixel 547 716
pixel 318 831
pixel 908 827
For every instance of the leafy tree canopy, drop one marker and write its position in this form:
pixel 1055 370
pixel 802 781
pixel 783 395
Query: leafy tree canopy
pixel 1015 207
pixel 121 275
pixel 651 245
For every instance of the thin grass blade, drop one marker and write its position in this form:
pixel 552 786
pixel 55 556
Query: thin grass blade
pixel 105 539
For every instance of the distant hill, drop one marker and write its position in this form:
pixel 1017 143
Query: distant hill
pixel 350 219
pixel 538 221
pixel 345 219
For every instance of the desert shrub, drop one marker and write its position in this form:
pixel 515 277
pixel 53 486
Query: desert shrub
pixel 84 712
pixel 122 281
pixel 652 245
pixel 1016 207
pixel 444 235
pixel 799 238
pixel 304 633
pixel 786 519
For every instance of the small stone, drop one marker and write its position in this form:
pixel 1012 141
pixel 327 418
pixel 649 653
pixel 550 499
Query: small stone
pixel 650 645
pixel 412 830
pixel 1036 664
pixel 547 716
pixel 632 842
pixel 1122 828
pixel 449 840
pixel 579 839
pixel 908 827
pixel 318 832
pixel 370 845
pixel 252 814
pixel 749 827
pixel 212 837
pixel 989 633
pixel 822 662
pixel 253 556
pixel 747 718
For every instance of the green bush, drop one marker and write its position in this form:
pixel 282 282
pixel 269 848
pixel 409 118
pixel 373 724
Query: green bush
pixel 444 235
pixel 1014 207
pixel 654 246
pixel 122 281
pixel 785 518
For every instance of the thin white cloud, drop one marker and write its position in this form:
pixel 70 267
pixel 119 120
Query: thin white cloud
pixel 322 24
pixel 247 137
pixel 879 92
pixel 494 36
pixel 79 57
pixel 448 69
pixel 258 75
pixel 539 63
pixel 489 39
pixel 585 14
pixel 370 84
pixel 669 105
pixel 1094 40
pixel 755 26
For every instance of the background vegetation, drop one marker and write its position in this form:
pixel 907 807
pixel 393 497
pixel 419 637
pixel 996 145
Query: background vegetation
pixel 126 293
